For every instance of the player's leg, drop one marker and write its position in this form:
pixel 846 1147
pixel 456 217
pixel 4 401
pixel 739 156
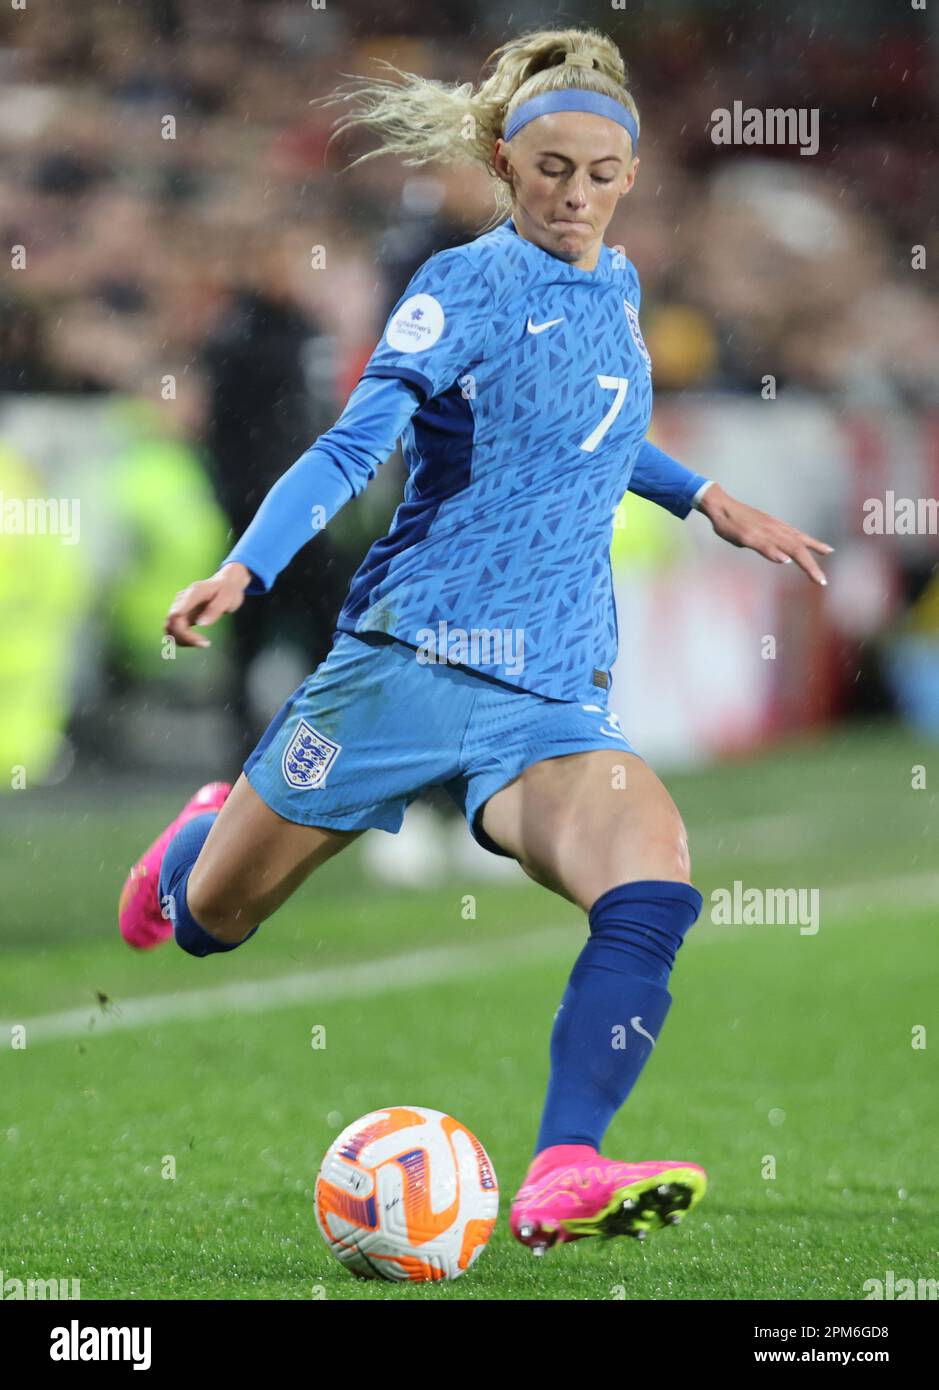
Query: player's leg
pixel 583 823
pixel 253 860
pixel 224 865
pixel 346 752
pixel 599 828
pixel 250 862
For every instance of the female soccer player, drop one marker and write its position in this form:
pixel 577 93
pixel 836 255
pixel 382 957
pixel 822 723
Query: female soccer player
pixel 475 645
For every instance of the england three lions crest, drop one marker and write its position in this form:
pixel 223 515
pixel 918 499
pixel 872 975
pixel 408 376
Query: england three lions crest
pixel 308 757
pixel 632 318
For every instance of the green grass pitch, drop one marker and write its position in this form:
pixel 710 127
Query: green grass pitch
pixel 779 1043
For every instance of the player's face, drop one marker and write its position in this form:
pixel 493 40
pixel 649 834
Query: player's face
pixel 567 172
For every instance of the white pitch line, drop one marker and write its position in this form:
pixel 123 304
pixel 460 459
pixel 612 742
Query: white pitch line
pixel 336 982
pixel 412 969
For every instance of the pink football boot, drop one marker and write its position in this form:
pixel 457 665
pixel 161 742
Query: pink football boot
pixel 571 1191
pixel 141 921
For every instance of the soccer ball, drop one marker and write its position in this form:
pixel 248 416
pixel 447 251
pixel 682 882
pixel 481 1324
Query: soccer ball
pixel 406 1194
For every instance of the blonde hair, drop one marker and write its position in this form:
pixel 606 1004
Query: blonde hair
pixel 423 120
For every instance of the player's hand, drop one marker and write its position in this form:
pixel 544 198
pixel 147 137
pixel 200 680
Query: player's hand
pixel 204 601
pixel 746 526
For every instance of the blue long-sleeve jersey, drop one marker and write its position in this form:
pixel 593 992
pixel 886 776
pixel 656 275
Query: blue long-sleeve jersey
pixel 521 391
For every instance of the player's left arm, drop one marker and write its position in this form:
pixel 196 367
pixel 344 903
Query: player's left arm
pixel 663 480
pixel 746 526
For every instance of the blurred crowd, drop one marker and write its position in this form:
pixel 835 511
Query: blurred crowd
pixel 148 255
pixel 182 232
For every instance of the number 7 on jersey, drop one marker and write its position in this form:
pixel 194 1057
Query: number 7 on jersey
pixel 619 384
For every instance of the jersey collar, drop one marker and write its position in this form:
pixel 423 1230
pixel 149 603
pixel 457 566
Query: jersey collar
pixel 601 270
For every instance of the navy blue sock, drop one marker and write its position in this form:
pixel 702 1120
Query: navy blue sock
pixel 181 854
pixel 614 1007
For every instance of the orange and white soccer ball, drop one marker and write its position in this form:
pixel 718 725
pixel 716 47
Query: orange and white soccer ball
pixel 406 1194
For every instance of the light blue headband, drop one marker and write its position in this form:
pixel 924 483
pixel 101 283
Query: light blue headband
pixel 571 99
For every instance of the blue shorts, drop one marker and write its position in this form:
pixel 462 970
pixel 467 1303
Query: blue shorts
pixel 372 728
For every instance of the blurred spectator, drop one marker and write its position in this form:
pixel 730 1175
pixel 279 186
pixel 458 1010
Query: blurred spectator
pixel 752 260
pixel 261 416
pixel 179 207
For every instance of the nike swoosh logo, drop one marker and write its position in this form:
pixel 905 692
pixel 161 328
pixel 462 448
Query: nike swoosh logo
pixel 637 1024
pixel 540 327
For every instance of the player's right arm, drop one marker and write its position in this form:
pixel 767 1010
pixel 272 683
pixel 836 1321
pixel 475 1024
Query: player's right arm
pixel 205 601
pixel 437 329
pixel 336 468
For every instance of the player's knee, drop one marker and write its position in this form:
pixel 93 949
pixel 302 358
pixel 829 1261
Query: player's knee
pixel 664 861
pixel 684 853
pixel 225 920
pixel 671 848
pixel 678 856
pixel 660 853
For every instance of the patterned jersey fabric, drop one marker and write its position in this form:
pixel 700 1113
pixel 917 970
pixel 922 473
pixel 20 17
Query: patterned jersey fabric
pixel 537 396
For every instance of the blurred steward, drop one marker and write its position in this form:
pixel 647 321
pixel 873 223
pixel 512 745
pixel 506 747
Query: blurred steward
pixel 269 394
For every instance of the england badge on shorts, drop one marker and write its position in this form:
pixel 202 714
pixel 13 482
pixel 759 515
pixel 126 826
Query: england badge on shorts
pixel 308 757
pixel 632 318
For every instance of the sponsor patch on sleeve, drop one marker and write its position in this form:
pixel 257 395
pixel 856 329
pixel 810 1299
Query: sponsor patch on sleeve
pixel 417 325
